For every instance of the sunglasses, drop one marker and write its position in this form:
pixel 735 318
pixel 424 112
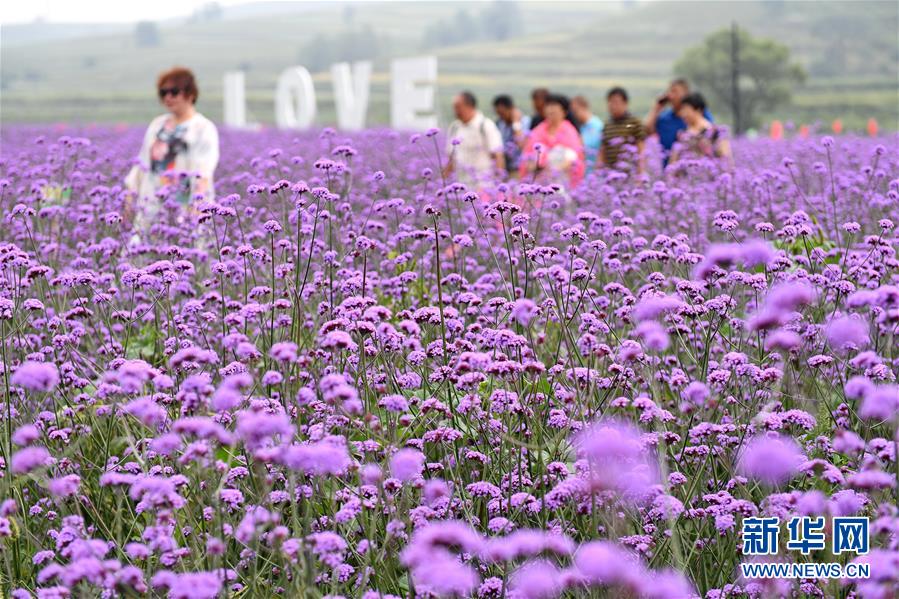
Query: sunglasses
pixel 166 91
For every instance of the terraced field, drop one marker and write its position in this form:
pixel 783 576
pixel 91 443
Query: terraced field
pixel 849 50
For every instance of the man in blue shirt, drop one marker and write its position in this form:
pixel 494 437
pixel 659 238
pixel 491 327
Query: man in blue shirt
pixel 664 121
pixel 514 127
pixel 590 129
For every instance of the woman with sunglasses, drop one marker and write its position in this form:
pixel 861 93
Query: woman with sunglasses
pixel 179 153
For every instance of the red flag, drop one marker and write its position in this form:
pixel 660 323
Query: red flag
pixel 872 127
pixel 777 130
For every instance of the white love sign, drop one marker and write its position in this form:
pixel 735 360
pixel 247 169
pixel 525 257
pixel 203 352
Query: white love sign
pixel 413 83
pixel 412 93
pixel 235 99
pixel 351 94
pixel 295 99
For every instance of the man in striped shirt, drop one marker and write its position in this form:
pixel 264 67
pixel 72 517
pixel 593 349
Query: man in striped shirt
pixel 622 136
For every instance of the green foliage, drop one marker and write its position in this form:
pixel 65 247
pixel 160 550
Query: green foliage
pixel 348 46
pixel 145 343
pixel 806 243
pixel 766 75
pixel 146 34
pixel 501 20
pixel 575 48
pixel 461 28
pixel 211 11
pixel 497 22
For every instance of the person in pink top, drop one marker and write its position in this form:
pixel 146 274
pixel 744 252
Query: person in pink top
pixel 561 155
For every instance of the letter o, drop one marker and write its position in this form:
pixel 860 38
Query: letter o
pixel 295 99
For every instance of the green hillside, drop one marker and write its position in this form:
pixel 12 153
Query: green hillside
pixel 848 48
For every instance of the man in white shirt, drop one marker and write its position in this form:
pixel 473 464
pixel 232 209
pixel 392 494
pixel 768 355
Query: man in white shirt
pixel 479 147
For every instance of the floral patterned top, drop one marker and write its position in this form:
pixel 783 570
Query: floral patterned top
pixel 706 142
pixel 178 153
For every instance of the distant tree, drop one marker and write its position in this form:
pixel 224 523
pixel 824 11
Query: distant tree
pixel 317 54
pixel 349 46
pixel 349 15
pixel 774 7
pixel 211 11
pixel 501 20
pixel 498 21
pixel 465 28
pixel 357 45
pixel 766 77
pixel 146 34
pixel 460 29
pixel 838 34
pixel 433 35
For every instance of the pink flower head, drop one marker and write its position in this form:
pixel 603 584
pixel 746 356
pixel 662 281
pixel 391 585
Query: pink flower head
pixel 880 403
pixel 407 464
pixel 28 459
pixel 523 311
pixel 537 579
pixel 652 307
pixel 617 458
pixel 65 486
pixel 772 459
pixel 36 376
pixel 607 564
pixel 847 332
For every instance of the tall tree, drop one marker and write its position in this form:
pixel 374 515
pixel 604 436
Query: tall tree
pixel 765 77
pixel 459 29
pixel 146 34
pixel 349 45
pixel 501 20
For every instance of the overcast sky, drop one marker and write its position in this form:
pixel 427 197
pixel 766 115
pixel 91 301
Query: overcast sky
pixel 109 11
pixel 100 11
pixel 116 11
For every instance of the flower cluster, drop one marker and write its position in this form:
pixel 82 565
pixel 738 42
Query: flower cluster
pixel 345 376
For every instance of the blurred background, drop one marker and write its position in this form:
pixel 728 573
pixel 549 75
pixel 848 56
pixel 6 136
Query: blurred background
pixel 800 63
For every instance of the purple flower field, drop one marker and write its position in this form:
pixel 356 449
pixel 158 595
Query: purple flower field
pixel 346 377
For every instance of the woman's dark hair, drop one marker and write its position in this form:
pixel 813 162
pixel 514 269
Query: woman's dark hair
pixel 558 99
pixel 503 100
pixel 617 91
pixel 694 100
pixel 469 98
pixel 181 78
